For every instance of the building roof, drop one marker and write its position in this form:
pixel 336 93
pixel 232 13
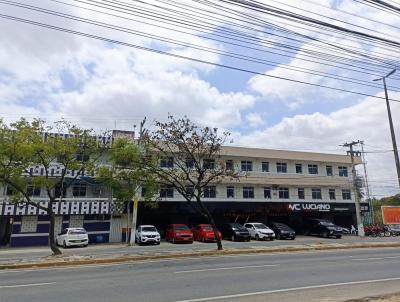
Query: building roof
pixel 288 155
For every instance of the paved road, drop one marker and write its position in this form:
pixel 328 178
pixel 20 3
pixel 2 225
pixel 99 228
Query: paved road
pixel 15 254
pixel 313 276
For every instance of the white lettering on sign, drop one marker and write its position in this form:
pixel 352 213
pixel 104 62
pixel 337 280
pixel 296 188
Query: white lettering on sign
pixel 320 207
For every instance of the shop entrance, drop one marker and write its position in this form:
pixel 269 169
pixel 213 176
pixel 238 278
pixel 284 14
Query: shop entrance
pixel 5 230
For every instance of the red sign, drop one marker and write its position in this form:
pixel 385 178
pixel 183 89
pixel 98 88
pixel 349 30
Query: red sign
pixel 391 214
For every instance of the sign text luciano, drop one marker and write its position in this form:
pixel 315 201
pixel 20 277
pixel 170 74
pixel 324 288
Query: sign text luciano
pixel 320 207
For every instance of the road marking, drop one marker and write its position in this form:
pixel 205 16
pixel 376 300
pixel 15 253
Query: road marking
pixel 288 290
pixel 26 285
pixel 225 268
pixel 376 258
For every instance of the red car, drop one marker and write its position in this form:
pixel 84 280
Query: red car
pixel 178 233
pixel 204 232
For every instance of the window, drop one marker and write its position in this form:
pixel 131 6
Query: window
pixel 265 166
pixel 59 191
pixel 267 192
pixel 329 170
pixel 33 191
pixel 167 162
pixel 229 165
pixel 166 192
pixel 189 189
pixel 281 167
pixel 299 168
pixel 79 190
pixel 346 194
pixel 82 157
pixel 316 194
pixel 209 164
pixel 210 192
pixel 343 171
pixel 283 193
pixel 189 163
pixel 248 192
pixel 143 194
pixel 10 191
pixel 230 192
pixel 332 194
pixel 300 192
pixel 247 166
pixel 312 169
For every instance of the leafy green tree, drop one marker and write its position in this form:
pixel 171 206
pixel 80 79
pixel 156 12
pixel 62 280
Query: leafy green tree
pixel 126 175
pixel 188 158
pixel 24 145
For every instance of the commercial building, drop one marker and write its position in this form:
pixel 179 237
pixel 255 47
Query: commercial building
pixel 286 186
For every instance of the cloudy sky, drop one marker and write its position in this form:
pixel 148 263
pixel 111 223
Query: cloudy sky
pixel 52 74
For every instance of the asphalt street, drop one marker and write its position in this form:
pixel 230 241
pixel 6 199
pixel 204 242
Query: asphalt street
pixel 16 254
pixel 305 276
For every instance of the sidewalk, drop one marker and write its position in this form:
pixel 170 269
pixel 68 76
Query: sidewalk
pixel 112 253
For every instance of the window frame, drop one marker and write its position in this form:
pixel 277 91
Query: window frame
pixel 167 162
pixel 330 167
pixel 316 193
pixel 210 192
pixel 165 192
pixel 248 192
pixel 230 192
pixel 281 167
pixel 267 193
pixel 265 166
pixel 79 190
pixel 299 171
pixel 346 194
pixel 302 195
pixel 330 192
pixel 282 193
pixel 313 168
pixel 343 171
pixel 248 164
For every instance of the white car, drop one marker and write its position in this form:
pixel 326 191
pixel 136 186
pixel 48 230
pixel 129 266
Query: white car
pixel 147 234
pixel 72 237
pixel 259 231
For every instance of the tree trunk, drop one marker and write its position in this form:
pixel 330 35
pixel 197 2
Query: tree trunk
pixel 212 222
pixel 53 246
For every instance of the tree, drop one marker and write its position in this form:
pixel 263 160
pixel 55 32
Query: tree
pixel 188 158
pixel 25 145
pixel 125 175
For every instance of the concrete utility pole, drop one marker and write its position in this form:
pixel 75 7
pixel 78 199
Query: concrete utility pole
pixel 396 153
pixel 360 226
pixel 371 208
pixel 135 198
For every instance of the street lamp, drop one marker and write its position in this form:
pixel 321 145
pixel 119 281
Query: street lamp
pixel 396 153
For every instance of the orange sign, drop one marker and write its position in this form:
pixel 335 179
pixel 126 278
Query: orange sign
pixel 391 214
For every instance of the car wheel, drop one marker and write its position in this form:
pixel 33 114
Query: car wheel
pixel 278 236
pixel 64 244
pixel 203 239
pixel 233 238
pixel 338 236
pixel 173 240
pixel 272 239
pixel 293 238
pixel 325 234
pixel 257 237
pixel 157 243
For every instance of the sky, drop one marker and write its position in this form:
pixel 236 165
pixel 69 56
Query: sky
pixel 100 84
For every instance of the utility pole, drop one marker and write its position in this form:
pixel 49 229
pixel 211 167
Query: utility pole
pixel 135 198
pixel 371 209
pixel 360 226
pixel 396 153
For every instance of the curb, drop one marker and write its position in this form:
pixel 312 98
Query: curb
pixel 133 258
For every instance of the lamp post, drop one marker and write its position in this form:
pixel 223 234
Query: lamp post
pixel 396 153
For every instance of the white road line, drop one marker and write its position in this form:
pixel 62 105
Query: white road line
pixel 288 290
pixel 224 268
pixel 26 285
pixel 376 258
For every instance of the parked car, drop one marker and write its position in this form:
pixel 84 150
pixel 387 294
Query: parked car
pixel 147 234
pixel 235 232
pixel 324 228
pixel 72 237
pixel 205 233
pixel 394 229
pixel 259 231
pixel 282 231
pixel 178 233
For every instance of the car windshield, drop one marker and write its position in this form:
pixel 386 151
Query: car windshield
pixel 282 226
pixel 207 228
pixel 327 223
pixel 181 228
pixel 149 229
pixel 260 226
pixel 77 232
pixel 237 226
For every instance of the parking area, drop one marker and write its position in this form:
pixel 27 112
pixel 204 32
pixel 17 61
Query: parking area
pixel 23 254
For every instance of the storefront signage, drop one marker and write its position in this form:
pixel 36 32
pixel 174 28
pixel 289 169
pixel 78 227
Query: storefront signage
pixel 391 214
pixel 320 207
pixel 59 208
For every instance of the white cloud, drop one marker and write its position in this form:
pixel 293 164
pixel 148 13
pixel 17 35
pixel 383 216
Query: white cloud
pixel 255 120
